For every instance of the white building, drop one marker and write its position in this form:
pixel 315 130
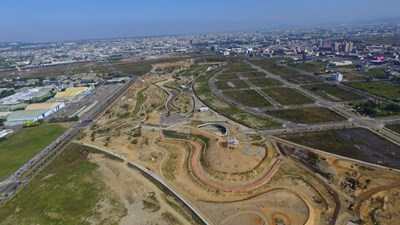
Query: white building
pixel 337 77
pixel 33 113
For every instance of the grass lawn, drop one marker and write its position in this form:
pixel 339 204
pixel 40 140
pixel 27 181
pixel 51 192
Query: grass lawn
pixel 307 115
pixel 287 96
pixel 302 79
pixel 241 70
pixel 264 82
pixel 22 146
pixel 248 97
pixel 204 92
pixel 333 92
pixel 383 89
pixel 231 84
pixel 67 191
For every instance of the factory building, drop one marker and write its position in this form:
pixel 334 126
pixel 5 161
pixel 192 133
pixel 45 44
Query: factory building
pixel 72 93
pixel 32 113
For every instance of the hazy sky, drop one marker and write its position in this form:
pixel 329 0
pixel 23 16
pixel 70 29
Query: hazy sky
pixel 44 20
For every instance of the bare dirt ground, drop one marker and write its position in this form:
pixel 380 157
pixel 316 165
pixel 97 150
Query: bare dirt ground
pixel 144 202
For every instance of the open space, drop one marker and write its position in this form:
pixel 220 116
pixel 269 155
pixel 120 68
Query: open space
pixel 382 89
pixel 264 82
pixel 302 79
pixel 355 143
pixel 22 146
pixel 231 84
pixel 333 92
pixel 307 115
pixel 248 98
pixel 287 96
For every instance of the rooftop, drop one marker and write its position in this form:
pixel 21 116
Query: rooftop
pixel 42 106
pixel 70 92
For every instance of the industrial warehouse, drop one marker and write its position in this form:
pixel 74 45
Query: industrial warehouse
pixel 33 113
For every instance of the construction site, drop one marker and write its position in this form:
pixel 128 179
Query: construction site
pixel 227 171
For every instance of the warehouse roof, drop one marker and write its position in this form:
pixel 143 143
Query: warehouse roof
pixel 26 114
pixel 71 92
pixel 45 105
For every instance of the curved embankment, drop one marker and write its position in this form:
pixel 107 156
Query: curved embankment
pixel 195 160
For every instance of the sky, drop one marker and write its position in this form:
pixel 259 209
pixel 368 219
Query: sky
pixel 58 20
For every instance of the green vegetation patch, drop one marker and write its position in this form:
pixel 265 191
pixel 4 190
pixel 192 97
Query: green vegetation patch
pixel 264 82
pixel 205 94
pixel 377 73
pixel 67 191
pixel 287 96
pixel 22 146
pixel 174 134
pixel 308 67
pixel 134 68
pixel 231 84
pixel 228 76
pixel 252 74
pixel 249 98
pixel 302 79
pixel 382 89
pixel 307 115
pixel 374 109
pixel 333 92
pixel 271 66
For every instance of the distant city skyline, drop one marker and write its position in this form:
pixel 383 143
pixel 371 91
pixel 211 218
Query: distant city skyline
pixel 45 20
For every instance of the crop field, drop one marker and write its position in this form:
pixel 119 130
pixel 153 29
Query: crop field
pixel 204 92
pixel 307 115
pixel 382 89
pixel 22 146
pixel 231 84
pixel 333 92
pixel 302 79
pixel 358 143
pixel 242 70
pixel 248 98
pixel 67 191
pixel 287 96
pixel 264 82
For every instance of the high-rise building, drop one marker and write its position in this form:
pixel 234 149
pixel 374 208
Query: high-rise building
pixel 348 46
pixel 337 46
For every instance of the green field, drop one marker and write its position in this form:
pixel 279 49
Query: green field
pixel 135 68
pixel 287 96
pixel 228 76
pixel 264 82
pixel 302 79
pixel 226 84
pixel 308 67
pixel 376 73
pixel 248 98
pixel 383 89
pixel 270 66
pixel 333 92
pixel 252 74
pixel 22 146
pixel 307 115
pixel 67 191
pixel 204 93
